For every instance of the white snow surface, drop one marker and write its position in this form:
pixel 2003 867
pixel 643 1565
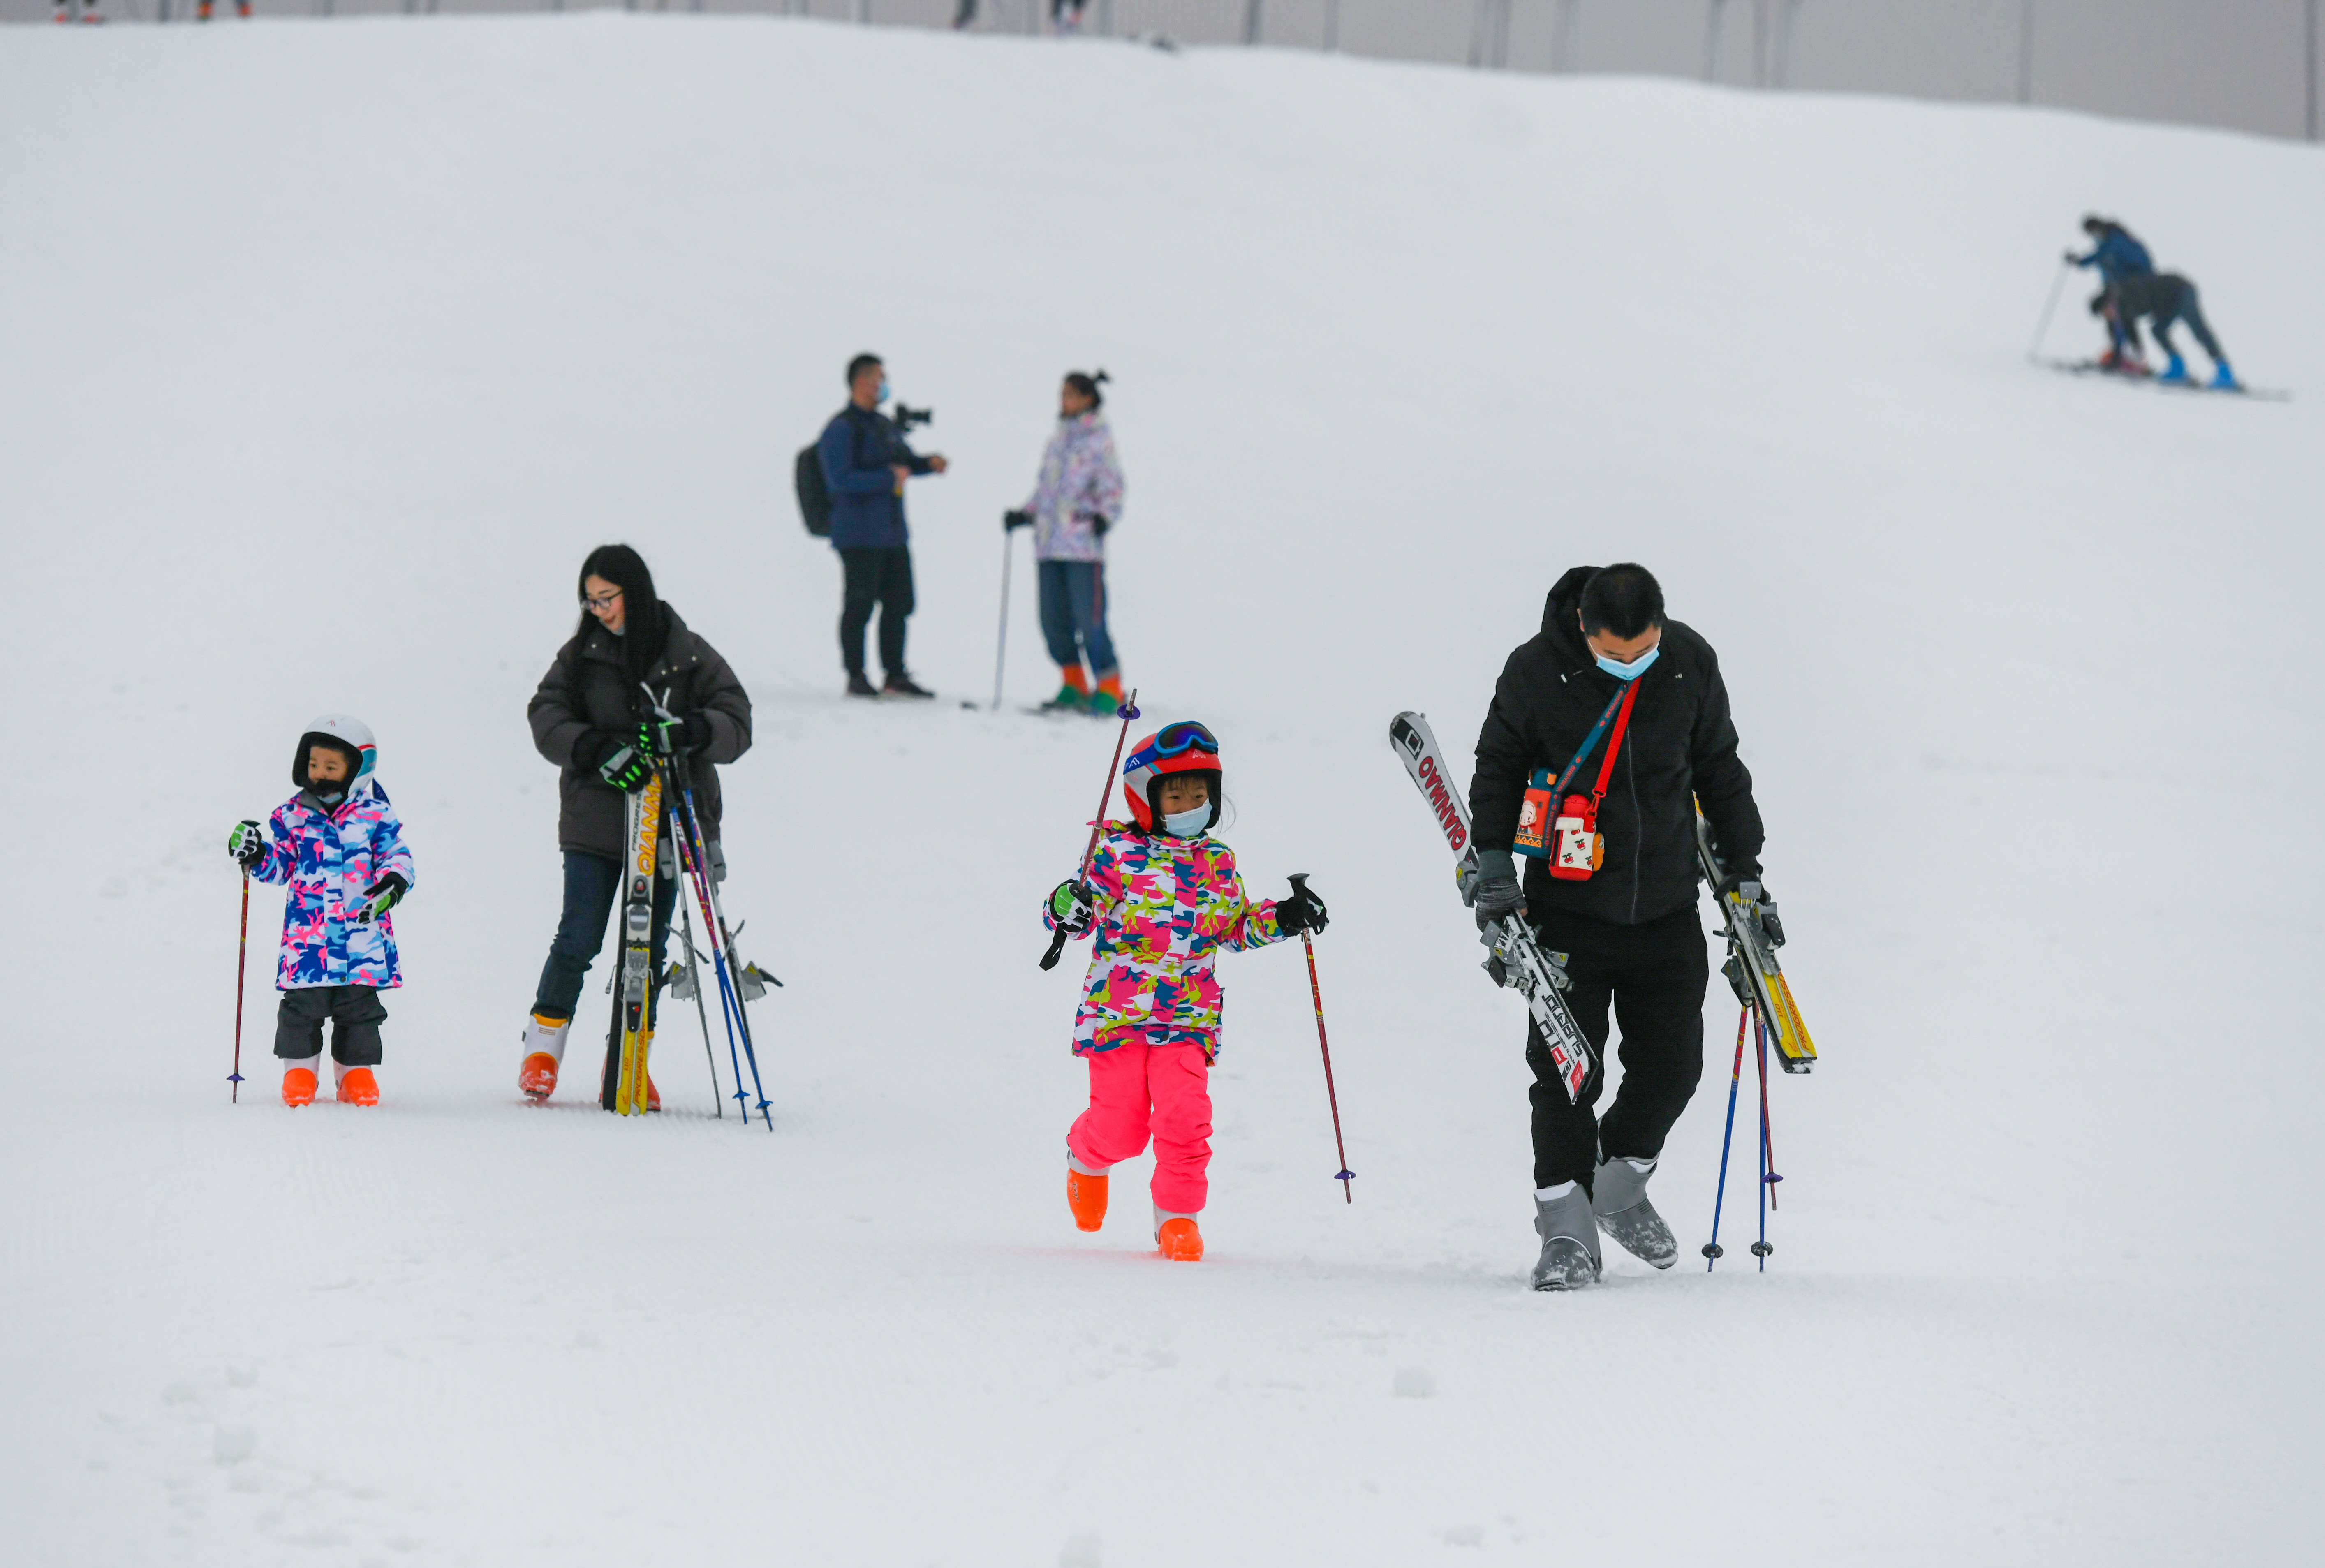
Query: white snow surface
pixel 327 350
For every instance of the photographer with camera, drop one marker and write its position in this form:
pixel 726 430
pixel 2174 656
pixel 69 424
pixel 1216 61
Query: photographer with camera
pixel 866 463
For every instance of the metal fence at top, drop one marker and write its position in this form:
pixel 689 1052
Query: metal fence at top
pixel 2249 65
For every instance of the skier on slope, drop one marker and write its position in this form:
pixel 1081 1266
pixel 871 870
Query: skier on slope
pixel 2118 256
pixel 1077 497
pixel 340 846
pixel 1619 911
pixel 1164 898
pixel 589 717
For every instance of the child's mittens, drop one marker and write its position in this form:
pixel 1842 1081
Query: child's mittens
pixel 380 897
pixel 1072 909
pixel 246 843
pixel 1302 911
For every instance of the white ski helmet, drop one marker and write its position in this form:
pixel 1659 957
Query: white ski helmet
pixel 349 734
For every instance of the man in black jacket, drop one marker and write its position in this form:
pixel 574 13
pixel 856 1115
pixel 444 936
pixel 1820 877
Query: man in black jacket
pixel 1625 930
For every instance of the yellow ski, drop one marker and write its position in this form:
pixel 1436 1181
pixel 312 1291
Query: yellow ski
pixel 636 1002
pixel 1751 966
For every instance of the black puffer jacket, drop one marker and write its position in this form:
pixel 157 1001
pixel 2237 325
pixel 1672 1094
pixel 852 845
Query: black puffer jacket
pixel 1680 740
pixel 588 688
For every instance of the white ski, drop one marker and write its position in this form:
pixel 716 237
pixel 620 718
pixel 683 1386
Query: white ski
pixel 1517 961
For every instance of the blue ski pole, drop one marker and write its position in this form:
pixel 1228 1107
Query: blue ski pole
pixel 1712 1251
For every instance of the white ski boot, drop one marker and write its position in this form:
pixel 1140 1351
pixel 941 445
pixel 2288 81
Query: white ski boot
pixel 1570 1239
pixel 1618 1197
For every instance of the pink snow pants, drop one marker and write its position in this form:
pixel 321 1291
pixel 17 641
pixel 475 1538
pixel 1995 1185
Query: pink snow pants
pixel 1135 1087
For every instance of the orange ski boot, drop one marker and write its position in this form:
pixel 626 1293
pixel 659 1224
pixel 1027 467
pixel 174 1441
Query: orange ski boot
pixel 359 1087
pixel 544 1048
pixel 1179 1240
pixel 1086 1196
pixel 298 1086
pixel 537 1079
pixel 653 1095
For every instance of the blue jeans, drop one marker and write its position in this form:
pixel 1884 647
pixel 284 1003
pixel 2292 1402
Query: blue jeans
pixel 592 883
pixel 1073 604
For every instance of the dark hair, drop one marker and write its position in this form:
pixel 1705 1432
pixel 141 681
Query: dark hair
pixel 2094 224
pixel 1624 598
pixel 859 365
pixel 1088 384
pixel 643 626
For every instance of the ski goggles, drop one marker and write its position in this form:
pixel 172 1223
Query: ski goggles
pixel 1173 740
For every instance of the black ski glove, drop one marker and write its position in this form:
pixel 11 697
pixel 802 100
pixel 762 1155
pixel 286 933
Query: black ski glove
pixel 1099 523
pixel 1302 911
pixel 380 897
pixel 1494 893
pixel 1072 909
pixel 1755 895
pixel 247 844
pixel 1016 518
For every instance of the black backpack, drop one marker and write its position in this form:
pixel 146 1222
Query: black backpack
pixel 814 495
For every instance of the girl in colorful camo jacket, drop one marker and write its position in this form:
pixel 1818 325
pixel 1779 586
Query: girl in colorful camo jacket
pixel 1164 898
pixel 338 845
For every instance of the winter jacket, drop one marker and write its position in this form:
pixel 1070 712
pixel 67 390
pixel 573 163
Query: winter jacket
pixel 1082 482
pixel 1680 749
pixel 1165 907
pixel 858 450
pixel 329 856
pixel 2118 255
pixel 587 688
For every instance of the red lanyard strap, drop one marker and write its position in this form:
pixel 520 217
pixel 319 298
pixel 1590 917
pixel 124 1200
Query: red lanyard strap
pixel 1613 744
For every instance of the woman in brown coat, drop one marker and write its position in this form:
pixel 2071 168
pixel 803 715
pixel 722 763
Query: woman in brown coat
pixel 587 713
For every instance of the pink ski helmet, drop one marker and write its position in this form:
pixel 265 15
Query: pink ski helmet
pixel 1185 747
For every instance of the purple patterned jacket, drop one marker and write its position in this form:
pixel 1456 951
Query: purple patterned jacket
pixel 328 858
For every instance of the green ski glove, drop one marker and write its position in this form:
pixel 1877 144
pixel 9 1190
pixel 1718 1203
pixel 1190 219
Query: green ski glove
pixel 379 898
pixel 246 843
pixel 1070 907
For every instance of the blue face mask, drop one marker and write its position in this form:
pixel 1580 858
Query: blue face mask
pixel 1188 824
pixel 882 395
pixel 1631 671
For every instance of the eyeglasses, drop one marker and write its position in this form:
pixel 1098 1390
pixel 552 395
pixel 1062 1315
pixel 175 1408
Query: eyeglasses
pixel 601 601
pixel 1173 741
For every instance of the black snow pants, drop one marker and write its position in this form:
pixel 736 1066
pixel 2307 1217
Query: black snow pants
pixel 356 1013
pixel 881 576
pixel 2164 298
pixel 1654 976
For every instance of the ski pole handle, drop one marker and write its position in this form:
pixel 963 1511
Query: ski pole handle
pixel 1127 712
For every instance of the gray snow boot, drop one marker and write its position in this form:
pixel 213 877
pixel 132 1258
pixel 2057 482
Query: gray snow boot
pixel 1618 1197
pixel 1570 1241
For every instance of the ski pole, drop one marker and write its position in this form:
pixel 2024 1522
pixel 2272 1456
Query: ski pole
pixel 1768 1177
pixel 1300 884
pixel 241 967
pixel 1127 712
pixel 714 922
pixel 2058 284
pixel 694 968
pixel 1712 1251
pixel 1000 646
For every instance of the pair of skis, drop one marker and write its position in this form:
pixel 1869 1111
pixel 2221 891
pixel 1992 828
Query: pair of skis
pixel 626 1088
pixel 668 797
pixel 1517 961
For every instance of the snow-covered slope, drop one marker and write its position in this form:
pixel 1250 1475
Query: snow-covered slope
pixel 327 350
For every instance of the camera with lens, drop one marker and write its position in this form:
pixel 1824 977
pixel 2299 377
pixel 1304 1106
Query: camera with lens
pixel 907 416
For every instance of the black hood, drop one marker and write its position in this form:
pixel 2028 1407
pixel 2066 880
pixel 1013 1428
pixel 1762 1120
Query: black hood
pixel 1562 614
